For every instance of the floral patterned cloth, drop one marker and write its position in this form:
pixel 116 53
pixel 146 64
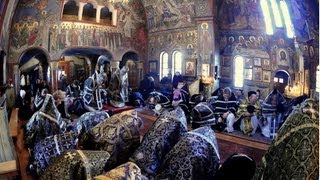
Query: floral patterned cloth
pixel 76 164
pixel 119 135
pixel 195 156
pixel 294 153
pixel 159 140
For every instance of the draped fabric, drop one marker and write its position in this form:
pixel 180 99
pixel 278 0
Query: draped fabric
pixel 51 147
pixel 128 170
pixel 294 153
pixel 38 101
pixel 195 156
pixel 118 88
pixel 118 135
pixel 88 120
pixel 159 140
pixel 202 115
pixel 45 122
pixel 76 164
pixel 7 151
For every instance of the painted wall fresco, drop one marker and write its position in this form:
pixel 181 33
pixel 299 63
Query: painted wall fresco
pixel 240 14
pixel 169 14
pixel 185 41
pixel 37 23
pixel 305 17
pixel 242 32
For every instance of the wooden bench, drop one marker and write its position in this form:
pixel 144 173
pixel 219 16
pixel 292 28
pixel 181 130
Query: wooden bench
pixel 13 123
pixel 10 169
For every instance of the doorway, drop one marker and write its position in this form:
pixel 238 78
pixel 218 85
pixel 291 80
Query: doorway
pixel 282 78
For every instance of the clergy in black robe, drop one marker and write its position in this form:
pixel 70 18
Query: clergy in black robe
pixel 294 153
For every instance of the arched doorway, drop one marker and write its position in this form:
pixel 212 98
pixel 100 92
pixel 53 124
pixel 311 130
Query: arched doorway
pixel 33 65
pixel 130 60
pixel 283 79
pixel 80 63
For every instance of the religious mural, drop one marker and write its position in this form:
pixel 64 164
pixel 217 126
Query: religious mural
pixel 169 14
pixel 240 14
pixel 32 24
pixel 305 18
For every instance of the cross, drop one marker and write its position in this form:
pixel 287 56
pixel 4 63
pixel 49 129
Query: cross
pixel 70 155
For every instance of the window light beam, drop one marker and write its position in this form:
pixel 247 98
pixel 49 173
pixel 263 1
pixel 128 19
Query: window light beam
pixel 266 15
pixel 276 13
pixel 287 19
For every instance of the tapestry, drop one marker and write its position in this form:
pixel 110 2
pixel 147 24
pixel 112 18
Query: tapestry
pixel 195 156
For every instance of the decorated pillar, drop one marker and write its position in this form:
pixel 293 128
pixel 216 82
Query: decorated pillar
pixel 54 75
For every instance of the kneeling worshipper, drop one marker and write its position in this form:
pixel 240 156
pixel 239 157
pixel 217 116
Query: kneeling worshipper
pixel 87 121
pixel 125 171
pixel 248 112
pixel 158 98
pixel 202 115
pixel 45 122
pixel 159 140
pixel 195 156
pixel 76 164
pixel 118 135
pixel 294 152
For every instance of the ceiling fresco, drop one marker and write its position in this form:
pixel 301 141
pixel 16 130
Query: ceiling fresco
pixel 169 14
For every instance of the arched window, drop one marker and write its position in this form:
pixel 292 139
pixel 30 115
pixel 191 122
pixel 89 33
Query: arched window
pixel 238 71
pixel 164 64
pixel 70 10
pixel 89 12
pixel 270 8
pixel 105 16
pixel 177 62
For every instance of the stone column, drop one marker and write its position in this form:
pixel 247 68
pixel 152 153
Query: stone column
pixel 81 4
pixel 54 75
pixel 16 78
pixel 114 17
pixel 98 13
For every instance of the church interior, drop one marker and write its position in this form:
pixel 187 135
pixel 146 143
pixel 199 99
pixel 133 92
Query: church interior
pixel 159 89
